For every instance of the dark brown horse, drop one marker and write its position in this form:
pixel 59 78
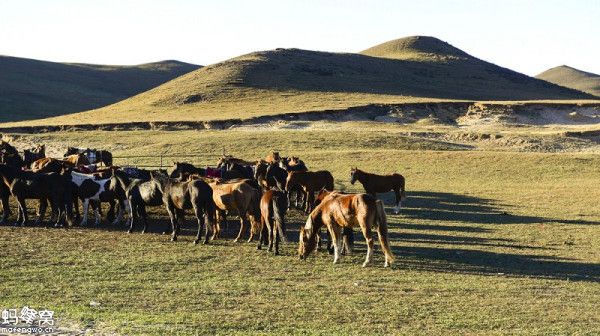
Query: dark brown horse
pixel 33 154
pixel 53 187
pixel 228 159
pixel 273 205
pixel 374 184
pixel 337 211
pixel 194 194
pixel 309 182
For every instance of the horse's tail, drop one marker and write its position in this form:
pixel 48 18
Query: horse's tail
pixel 402 188
pixel 382 232
pixel 279 209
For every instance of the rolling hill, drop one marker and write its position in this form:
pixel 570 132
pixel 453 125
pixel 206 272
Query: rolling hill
pixel 412 69
pixel 31 89
pixel 572 78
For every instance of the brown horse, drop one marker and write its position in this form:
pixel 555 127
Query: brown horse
pixel 76 160
pixel 337 211
pixel 374 184
pixel 237 196
pixel 273 157
pixel 273 205
pixel 309 182
pixel 47 165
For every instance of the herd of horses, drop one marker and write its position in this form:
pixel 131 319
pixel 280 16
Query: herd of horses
pixel 260 192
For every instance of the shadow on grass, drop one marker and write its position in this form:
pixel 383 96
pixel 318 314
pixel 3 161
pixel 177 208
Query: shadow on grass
pixel 442 206
pixel 492 263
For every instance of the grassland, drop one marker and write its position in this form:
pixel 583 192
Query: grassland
pixel 489 243
pixel 33 89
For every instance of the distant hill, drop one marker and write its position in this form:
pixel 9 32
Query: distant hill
pixel 294 80
pixel 572 78
pixel 31 89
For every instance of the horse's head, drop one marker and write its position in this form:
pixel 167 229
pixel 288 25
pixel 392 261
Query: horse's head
pixel 307 240
pixel 71 151
pixel 321 195
pixel 353 176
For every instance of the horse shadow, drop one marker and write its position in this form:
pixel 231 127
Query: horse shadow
pixel 452 207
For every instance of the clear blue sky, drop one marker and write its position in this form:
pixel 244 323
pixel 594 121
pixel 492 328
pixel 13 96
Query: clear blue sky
pixel 527 36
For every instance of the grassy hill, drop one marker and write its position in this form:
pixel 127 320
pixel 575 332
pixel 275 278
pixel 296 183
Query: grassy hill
pixel 572 78
pixel 292 80
pixel 31 89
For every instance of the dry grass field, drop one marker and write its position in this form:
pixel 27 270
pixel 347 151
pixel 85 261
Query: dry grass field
pixel 494 239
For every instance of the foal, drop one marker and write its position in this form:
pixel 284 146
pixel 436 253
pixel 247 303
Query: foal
pixel 374 184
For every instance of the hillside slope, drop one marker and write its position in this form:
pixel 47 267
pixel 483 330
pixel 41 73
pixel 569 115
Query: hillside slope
pixel 31 89
pixel 572 78
pixel 294 80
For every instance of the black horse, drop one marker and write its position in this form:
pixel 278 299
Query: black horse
pixel 178 196
pixel 53 187
pixel 276 177
pixel 34 154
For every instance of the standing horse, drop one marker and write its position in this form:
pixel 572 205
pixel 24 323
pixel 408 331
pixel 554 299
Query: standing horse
pixel 53 187
pixel 46 165
pixel 237 196
pixel 194 194
pixel 338 211
pixel 273 205
pixel 374 184
pixel 310 182
pixel 227 159
pixel 141 194
pixel 9 155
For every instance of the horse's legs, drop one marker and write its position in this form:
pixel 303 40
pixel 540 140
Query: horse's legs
pixel 398 200
pixel 243 219
pixel 336 235
pixel 348 235
pixel 5 207
pixel 144 214
pixel 43 205
pixel 22 219
pixel 132 215
pixel 76 208
pixel 270 229
pixel 277 235
pixel 310 199
pixel 174 226
pixel 262 233
pixel 97 207
pixel 86 206
pixel 219 218
pixel 122 205
pixel 366 230
pixel 200 218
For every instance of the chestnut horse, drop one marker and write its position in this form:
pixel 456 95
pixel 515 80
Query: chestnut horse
pixel 338 211
pixel 273 205
pixel 374 184
pixel 47 165
pixel 309 182
pixel 239 196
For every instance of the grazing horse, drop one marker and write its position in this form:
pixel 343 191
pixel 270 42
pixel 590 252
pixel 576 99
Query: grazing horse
pixel 194 194
pixel 51 187
pixel 273 205
pixel 34 154
pixel 237 196
pixel 374 184
pixel 310 182
pixel 337 211
pixel 93 156
pixel 347 233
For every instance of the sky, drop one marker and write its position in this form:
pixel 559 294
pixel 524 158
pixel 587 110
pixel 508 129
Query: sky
pixel 526 36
